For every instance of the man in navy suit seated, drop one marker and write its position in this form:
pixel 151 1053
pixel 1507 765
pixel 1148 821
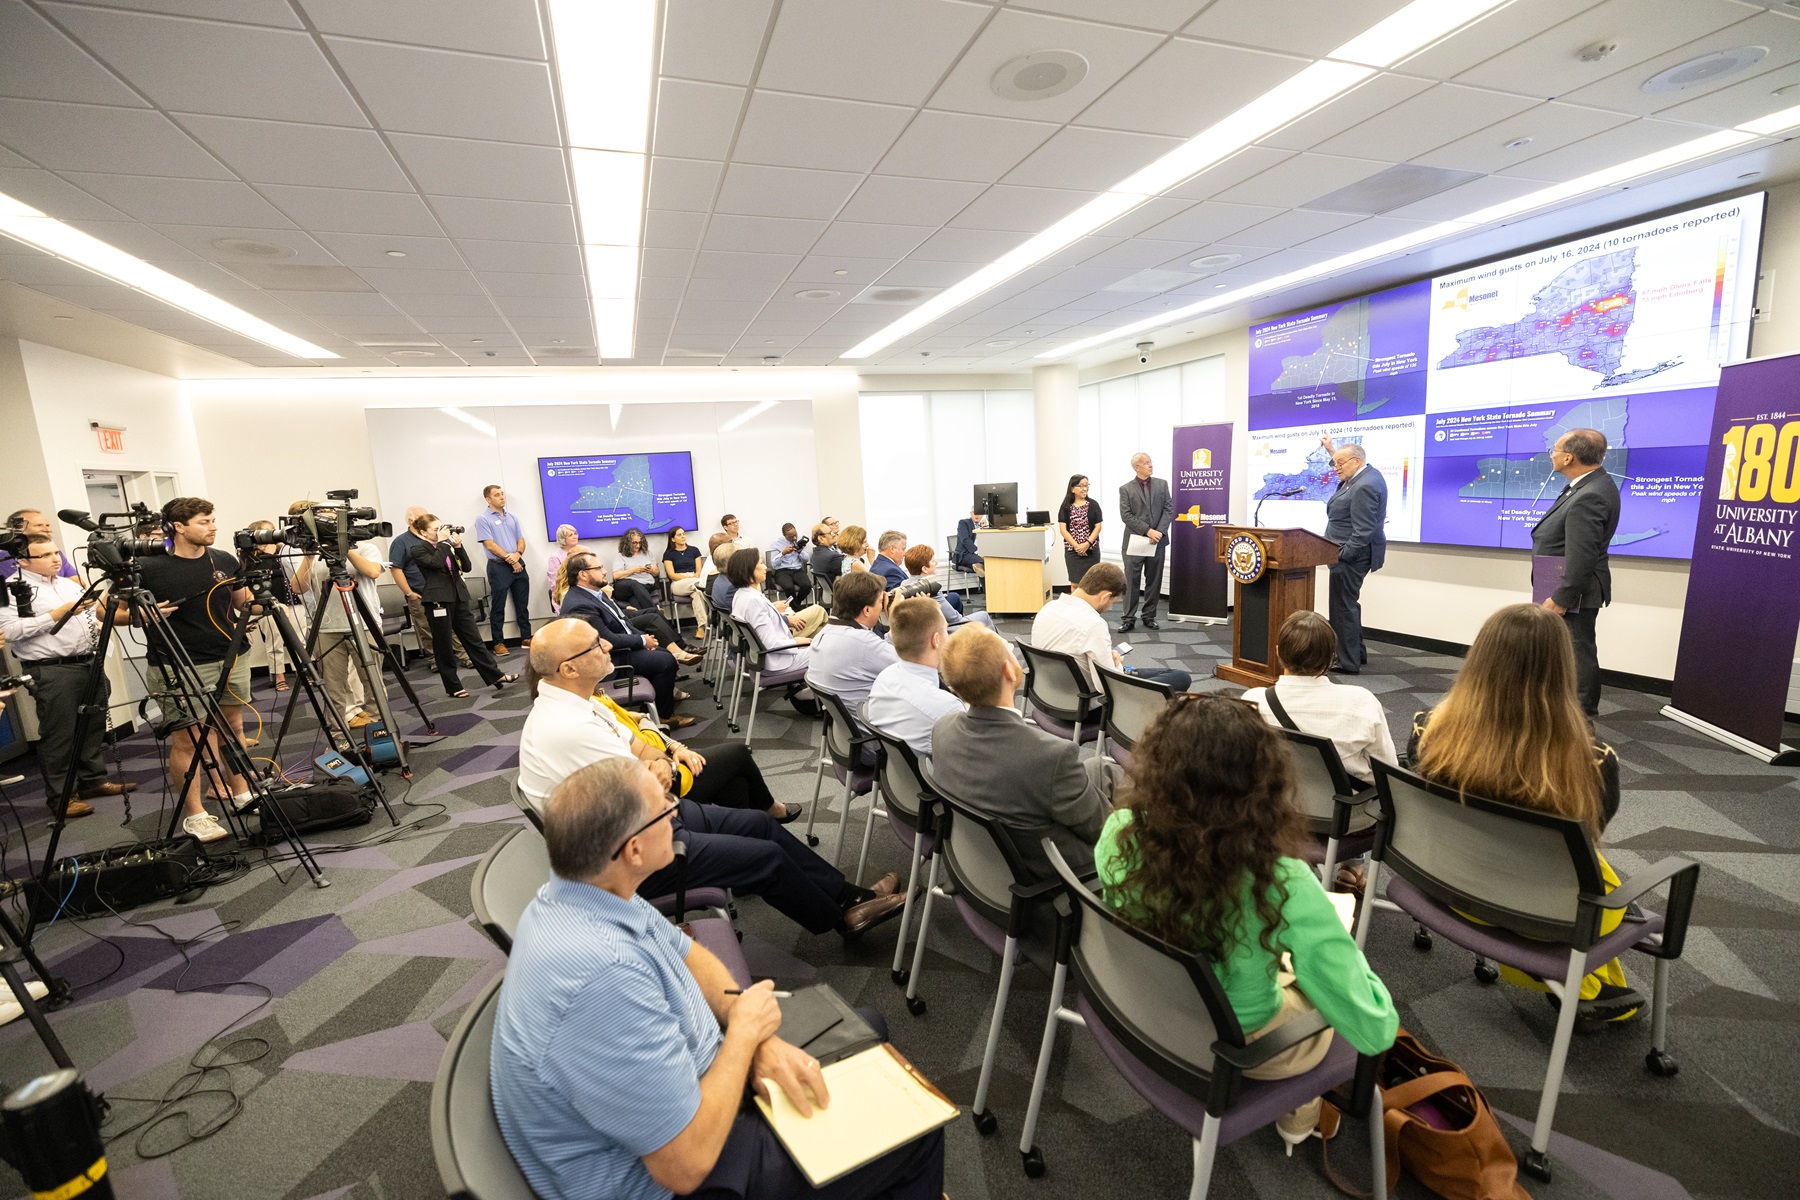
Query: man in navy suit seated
pixel 639 650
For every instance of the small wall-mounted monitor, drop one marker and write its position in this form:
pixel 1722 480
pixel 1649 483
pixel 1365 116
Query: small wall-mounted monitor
pixel 603 495
pixel 998 502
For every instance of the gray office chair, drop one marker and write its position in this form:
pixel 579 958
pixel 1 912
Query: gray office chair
pixel 472 1159
pixel 505 880
pixel 1061 701
pixel 1129 705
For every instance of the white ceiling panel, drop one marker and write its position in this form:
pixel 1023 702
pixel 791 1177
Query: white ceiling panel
pixel 107 297
pixel 751 190
pixel 1110 52
pixel 481 26
pixel 183 201
pixel 1186 86
pixel 856 239
pixel 376 251
pixel 198 241
pixel 1443 114
pixel 1779 35
pixel 767 235
pixel 451 93
pixel 493 170
pixel 1311 27
pixel 662 287
pixel 685 184
pixel 1211 221
pixel 713 40
pixel 141 240
pixel 1367 232
pixel 674 230
pixel 1549 126
pixel 1300 179
pixel 42 64
pixel 1145 216
pixel 338 210
pixel 1360 104
pixel 1506 26
pixel 894 52
pixel 743 290
pixel 54 195
pixel 313 155
pixel 1643 136
pixel 1138 253
pixel 888 199
pixel 666 264
pixel 1472 196
pixel 782 130
pixel 208 67
pixel 696 120
pixel 340 304
pixel 1020 210
pixel 1093 159
pixel 420 307
pixel 398 281
pixel 536 257
pixel 82 137
pixel 1740 102
pixel 972 246
pixel 947 145
pixel 724 264
pixel 505 220
pixel 247 12
pixel 835 271
pixel 1250 161
pixel 1164 15
pixel 522 283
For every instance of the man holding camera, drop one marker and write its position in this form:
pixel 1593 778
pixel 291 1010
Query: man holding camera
pixel 58 661
pixel 500 532
pixel 788 575
pixel 347 686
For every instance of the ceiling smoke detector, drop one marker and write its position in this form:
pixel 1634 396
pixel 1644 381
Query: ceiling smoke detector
pixel 816 294
pixel 1705 69
pixel 240 247
pixel 1518 143
pixel 1040 75
pixel 1595 51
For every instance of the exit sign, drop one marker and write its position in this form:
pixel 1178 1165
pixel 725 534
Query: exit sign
pixel 112 441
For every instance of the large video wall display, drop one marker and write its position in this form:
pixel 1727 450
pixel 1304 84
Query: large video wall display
pixel 603 495
pixel 1459 386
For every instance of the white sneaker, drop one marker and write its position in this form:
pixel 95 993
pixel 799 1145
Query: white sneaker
pixel 242 800
pixel 204 826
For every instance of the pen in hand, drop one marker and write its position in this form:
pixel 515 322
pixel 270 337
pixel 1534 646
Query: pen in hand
pixel 777 995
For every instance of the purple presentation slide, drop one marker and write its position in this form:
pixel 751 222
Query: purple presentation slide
pixel 604 495
pixel 1364 359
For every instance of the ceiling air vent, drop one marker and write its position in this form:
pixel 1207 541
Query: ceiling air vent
pixel 1393 188
pixel 1039 76
pixel 897 295
pixel 1705 69
pixel 240 247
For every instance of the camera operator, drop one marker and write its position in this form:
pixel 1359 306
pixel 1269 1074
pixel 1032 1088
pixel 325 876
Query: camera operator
pixel 442 561
pixel 347 685
pixel 59 662
pixel 193 586
pixel 788 573
pixel 29 522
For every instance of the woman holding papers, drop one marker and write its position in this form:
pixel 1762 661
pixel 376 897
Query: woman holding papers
pixel 1204 854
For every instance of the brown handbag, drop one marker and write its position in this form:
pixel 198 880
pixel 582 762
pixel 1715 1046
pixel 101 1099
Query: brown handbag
pixel 1438 1127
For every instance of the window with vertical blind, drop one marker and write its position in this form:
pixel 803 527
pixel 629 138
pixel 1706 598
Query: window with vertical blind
pixel 923 452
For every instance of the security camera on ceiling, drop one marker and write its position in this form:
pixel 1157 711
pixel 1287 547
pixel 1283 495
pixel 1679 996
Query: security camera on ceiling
pixel 1143 349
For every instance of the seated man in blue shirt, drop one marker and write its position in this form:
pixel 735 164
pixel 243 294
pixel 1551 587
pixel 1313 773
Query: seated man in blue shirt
pixel 848 653
pixel 890 558
pixel 620 1054
pixel 788 575
pixel 908 697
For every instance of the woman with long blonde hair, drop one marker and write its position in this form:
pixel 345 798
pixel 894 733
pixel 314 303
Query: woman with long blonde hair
pixel 1511 729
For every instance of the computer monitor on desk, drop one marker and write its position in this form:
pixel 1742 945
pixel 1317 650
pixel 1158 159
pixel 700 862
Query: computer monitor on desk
pixel 998 502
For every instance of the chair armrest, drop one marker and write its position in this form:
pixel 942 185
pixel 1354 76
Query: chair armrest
pixel 1343 806
pixel 1025 898
pixel 1683 877
pixel 1282 1037
pixel 1643 881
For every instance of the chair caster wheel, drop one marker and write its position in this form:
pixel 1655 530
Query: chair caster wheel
pixel 1537 1165
pixel 1421 939
pixel 812 839
pixel 900 977
pixel 985 1123
pixel 1662 1063
pixel 1486 972
pixel 915 1005
pixel 1034 1163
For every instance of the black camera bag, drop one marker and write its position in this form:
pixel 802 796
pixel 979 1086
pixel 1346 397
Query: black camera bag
pixel 327 804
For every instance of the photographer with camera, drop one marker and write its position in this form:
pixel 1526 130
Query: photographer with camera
pixel 788 573
pixel 193 586
pixel 30 523
pixel 442 561
pixel 58 663
pixel 347 685
pixel 410 580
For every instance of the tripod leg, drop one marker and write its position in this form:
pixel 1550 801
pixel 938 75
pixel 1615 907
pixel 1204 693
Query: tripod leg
pixel 372 623
pixel 35 1015
pixel 10 935
pixel 329 715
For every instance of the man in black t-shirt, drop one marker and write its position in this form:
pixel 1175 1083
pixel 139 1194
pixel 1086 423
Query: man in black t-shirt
pixel 192 584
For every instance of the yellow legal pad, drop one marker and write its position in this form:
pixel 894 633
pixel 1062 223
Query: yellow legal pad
pixel 878 1102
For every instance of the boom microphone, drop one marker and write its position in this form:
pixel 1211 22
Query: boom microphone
pixel 76 517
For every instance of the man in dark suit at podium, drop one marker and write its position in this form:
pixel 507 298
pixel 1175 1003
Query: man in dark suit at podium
pixel 1356 519
pixel 1578 528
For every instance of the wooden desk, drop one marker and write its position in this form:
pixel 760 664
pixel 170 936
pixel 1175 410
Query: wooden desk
pixel 1018 577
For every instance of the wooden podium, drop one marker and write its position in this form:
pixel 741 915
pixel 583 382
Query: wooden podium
pixel 1018 573
pixel 1282 587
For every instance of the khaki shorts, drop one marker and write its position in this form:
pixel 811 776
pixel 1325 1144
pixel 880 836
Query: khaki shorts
pixel 181 708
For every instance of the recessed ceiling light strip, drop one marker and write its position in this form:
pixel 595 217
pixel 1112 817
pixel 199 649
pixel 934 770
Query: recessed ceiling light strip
pixel 605 55
pixel 1401 35
pixel 24 223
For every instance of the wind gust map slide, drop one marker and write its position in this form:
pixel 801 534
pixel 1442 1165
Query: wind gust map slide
pixel 604 495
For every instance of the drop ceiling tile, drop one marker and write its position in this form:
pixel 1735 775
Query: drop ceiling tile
pixel 1622 144
pixel 684 184
pixel 1741 102
pixel 785 191
pixel 492 170
pixel 1471 197
pixel 919 273
pixel 1211 221
pixel 714 40
pixel 894 52
pixel 43 64
pixel 200 241
pixel 1093 159
pixel 674 230
pixel 398 281
pixel 362 250
pixel 823 270
pixel 743 290
pixel 474 327
pixel 1550 126
pixel 856 239
pixel 1110 53
pixel 1443 114
pixel 340 304
pixel 662 287
pixel 884 199
pixel 1361 103
pixel 948 145
pixel 1779 35
pixel 814 311
pixel 662 263
pixel 100 297
pixel 975 246
pixel 1300 179
pixel 769 235
pixel 524 283
pixel 1368 232
pixel 83 137
pixel 1147 215
pixel 657 313
pixel 312 155
pixel 695 120
pixel 1494 34
pixel 481 26
pixel 1166 15
pixel 422 307
pixel 506 220
pixel 339 210
pixel 552 327
pixel 532 257
pixel 1020 210
pixel 185 65
pixel 413 89
pixel 782 130
pixel 1311 27
pixel 182 201
pixel 1160 95
pixel 1139 253
pixel 212 277
pixel 55 196
pixel 719 264
pixel 497 340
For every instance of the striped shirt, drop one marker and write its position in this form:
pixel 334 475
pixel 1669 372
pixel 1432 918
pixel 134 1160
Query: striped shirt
pixel 600 1040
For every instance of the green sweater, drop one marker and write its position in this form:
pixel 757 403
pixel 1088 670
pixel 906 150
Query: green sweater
pixel 1326 963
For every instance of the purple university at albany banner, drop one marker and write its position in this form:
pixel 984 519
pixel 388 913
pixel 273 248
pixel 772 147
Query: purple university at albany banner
pixel 1200 488
pixel 1743 599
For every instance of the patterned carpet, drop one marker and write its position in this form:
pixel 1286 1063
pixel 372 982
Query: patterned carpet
pixel 323 1012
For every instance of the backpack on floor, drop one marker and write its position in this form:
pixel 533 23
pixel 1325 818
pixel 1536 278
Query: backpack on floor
pixel 311 807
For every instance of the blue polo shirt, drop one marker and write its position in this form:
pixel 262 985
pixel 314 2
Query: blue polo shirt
pixel 600 1041
pixel 501 528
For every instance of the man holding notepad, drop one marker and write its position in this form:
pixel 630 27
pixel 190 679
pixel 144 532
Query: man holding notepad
pixel 622 1048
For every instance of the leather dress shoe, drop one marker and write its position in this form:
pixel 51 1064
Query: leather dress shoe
pixel 793 814
pixel 1127 625
pixel 887 885
pixel 1150 623
pixel 680 721
pixel 107 787
pixel 77 809
pixel 860 918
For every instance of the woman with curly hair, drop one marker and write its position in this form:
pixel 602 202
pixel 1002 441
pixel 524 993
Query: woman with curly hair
pixel 1205 855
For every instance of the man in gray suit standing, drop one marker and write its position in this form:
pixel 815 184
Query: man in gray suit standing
pixel 1356 519
pixel 1577 529
pixel 1144 507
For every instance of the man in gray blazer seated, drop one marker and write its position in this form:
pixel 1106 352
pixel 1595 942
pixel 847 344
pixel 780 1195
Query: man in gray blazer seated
pixel 1145 508
pixel 998 763
pixel 1578 529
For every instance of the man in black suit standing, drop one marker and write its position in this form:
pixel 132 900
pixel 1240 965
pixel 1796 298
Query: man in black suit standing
pixel 1356 519
pixel 1578 528
pixel 1145 509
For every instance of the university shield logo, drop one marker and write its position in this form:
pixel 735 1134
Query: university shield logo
pixel 1202 458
